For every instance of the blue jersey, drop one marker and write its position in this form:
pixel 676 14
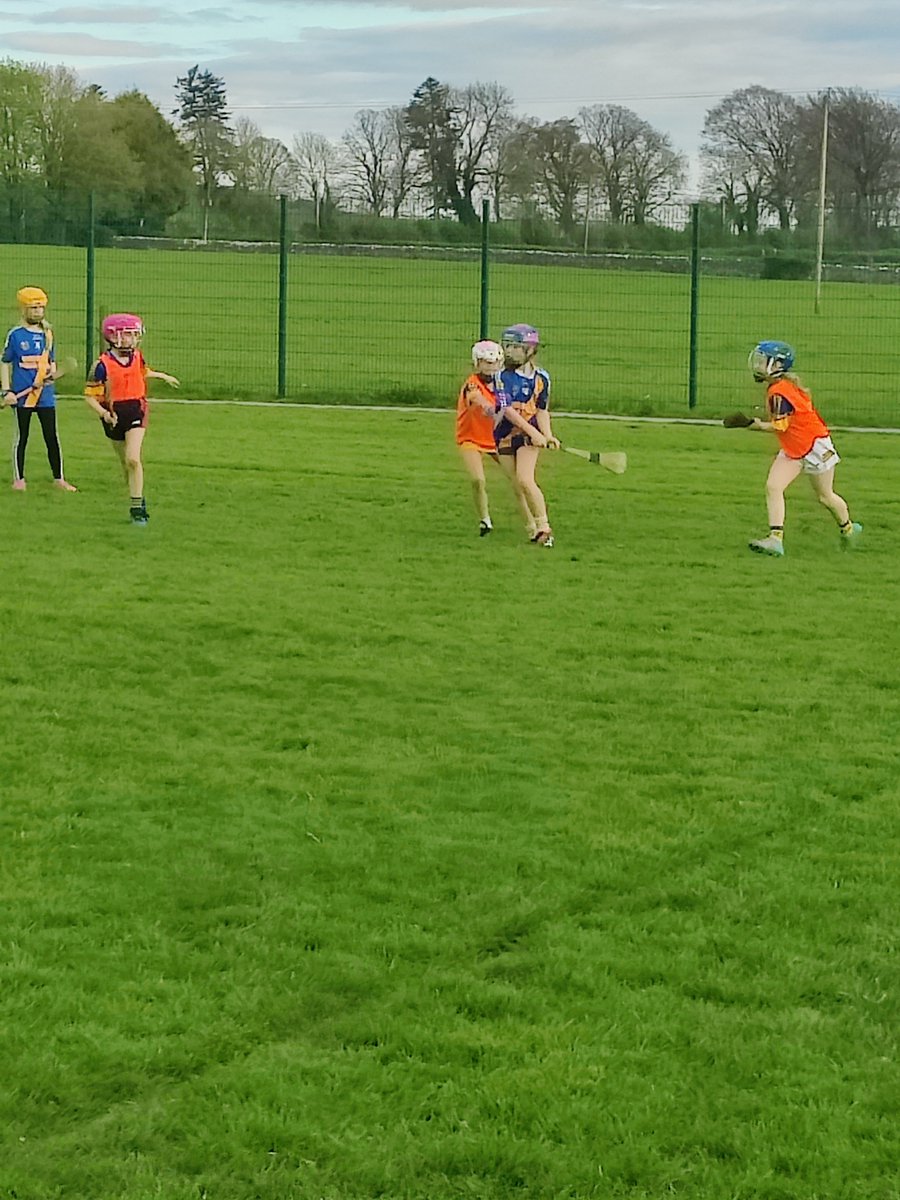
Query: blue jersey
pixel 525 392
pixel 23 351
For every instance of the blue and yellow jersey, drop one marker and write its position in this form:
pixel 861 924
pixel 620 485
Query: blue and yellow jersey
pixel 527 393
pixel 25 351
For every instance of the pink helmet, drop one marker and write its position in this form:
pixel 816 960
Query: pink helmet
pixel 117 324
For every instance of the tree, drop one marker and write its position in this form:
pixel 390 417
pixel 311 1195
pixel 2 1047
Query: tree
pixel 314 173
pixel 482 115
pixel 20 142
pixel 163 165
pixel 611 131
pixel 559 163
pixel 657 172
pixel 369 145
pixel 258 163
pixel 863 157
pixel 76 136
pixel 751 150
pixel 401 175
pixel 431 121
pixel 203 113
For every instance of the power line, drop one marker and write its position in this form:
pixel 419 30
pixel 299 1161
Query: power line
pixel 323 104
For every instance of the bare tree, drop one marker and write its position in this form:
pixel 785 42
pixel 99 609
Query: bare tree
pixel 258 163
pixel 658 171
pixel 513 174
pixel 482 115
pixel 752 149
pixel 863 156
pixel 314 171
pixel 554 167
pixel 401 175
pixel 369 146
pixel 634 165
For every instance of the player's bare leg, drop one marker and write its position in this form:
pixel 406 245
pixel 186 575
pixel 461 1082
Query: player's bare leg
pixel 133 465
pixel 823 485
pixel 473 461
pixel 133 441
pixel 119 448
pixel 526 463
pixel 782 474
pixel 508 463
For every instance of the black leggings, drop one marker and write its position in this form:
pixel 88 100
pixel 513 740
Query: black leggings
pixel 47 418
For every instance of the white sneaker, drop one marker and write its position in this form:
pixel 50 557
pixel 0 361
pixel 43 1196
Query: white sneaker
pixel 768 545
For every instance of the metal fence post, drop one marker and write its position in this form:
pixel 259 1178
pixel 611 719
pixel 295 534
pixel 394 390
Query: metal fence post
pixel 695 294
pixel 282 300
pixel 89 288
pixel 485 243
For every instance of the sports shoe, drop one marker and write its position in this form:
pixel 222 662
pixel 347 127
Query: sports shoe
pixel 139 515
pixel 851 537
pixel 19 485
pixel 64 485
pixel 544 537
pixel 484 528
pixel 768 545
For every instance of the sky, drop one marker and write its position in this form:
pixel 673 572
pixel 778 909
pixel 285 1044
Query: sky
pixel 306 66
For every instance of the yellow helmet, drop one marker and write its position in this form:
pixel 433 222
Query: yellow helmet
pixel 27 296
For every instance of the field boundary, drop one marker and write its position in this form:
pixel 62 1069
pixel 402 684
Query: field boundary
pixel 415 408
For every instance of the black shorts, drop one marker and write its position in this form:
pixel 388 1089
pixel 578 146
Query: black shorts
pixel 131 414
pixel 512 443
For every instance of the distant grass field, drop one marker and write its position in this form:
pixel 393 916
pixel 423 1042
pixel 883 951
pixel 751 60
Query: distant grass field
pixel 348 855
pixel 399 330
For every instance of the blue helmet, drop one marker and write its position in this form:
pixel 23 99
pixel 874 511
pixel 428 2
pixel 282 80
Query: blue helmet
pixel 770 360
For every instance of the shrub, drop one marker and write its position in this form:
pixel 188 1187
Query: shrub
pixel 785 266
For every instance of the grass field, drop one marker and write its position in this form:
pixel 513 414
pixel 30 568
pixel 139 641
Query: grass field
pixel 400 331
pixel 348 855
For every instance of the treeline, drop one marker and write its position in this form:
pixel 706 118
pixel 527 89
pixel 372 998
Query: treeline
pixel 198 172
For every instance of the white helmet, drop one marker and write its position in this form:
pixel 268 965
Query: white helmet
pixel 487 357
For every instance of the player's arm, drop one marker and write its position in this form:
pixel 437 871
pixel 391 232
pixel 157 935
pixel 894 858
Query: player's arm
pixel 9 396
pixel 95 394
pixel 474 397
pixel 514 417
pixel 780 412
pixel 169 379
pixel 543 420
pixel 542 416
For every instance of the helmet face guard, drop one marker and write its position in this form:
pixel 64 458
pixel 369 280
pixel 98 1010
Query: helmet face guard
pixel 770 360
pixel 123 331
pixel 487 357
pixel 520 343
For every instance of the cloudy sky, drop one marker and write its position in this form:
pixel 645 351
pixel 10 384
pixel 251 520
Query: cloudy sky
pixel 297 66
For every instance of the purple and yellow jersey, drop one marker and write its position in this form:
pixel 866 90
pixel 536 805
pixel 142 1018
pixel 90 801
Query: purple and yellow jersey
pixel 526 393
pixel 25 351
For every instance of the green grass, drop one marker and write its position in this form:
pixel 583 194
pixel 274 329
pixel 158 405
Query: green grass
pixel 399 330
pixel 349 855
